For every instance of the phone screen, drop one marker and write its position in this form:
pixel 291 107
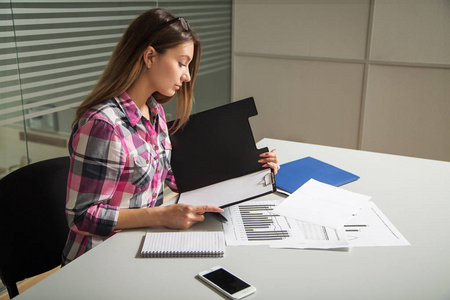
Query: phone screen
pixel 226 281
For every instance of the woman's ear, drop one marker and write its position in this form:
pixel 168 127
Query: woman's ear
pixel 149 55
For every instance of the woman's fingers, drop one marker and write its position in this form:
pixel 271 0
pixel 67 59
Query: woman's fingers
pixel 182 216
pixel 269 157
pixel 270 160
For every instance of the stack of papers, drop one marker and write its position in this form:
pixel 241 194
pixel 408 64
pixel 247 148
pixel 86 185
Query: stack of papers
pixel 316 216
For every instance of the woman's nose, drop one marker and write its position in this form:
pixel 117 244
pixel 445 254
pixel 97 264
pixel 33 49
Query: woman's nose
pixel 186 76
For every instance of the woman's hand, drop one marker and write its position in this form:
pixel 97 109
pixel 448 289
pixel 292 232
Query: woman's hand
pixel 183 216
pixel 270 160
pixel 175 216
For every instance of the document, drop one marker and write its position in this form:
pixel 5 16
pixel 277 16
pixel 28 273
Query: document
pixel 321 204
pixel 254 223
pixel 319 237
pixel 370 227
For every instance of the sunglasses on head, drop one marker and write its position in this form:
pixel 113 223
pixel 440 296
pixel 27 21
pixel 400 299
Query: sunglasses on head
pixel 183 23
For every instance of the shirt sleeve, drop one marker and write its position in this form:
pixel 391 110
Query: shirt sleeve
pixel 96 165
pixel 170 181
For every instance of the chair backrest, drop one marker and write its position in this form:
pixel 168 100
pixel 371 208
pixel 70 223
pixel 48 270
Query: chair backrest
pixel 33 226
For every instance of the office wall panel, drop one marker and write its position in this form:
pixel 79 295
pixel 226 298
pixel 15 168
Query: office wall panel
pixel 313 102
pixel 411 31
pixel 302 28
pixel 403 105
pixel 408 112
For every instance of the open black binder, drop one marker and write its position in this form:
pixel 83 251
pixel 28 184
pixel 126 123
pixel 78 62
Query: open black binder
pixel 216 146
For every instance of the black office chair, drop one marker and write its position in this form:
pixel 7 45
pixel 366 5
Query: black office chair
pixel 33 226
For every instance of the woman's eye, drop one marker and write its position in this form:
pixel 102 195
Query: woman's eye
pixel 182 65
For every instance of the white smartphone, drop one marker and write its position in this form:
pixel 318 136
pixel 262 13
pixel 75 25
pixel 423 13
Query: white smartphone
pixel 227 283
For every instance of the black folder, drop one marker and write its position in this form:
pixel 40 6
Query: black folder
pixel 215 146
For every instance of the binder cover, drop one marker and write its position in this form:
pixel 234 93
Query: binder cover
pixel 215 145
pixel 294 174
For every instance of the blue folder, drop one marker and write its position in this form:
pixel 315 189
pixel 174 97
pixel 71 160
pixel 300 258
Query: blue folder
pixel 294 174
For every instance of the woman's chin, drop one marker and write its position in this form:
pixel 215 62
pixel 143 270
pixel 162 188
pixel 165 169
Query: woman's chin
pixel 168 93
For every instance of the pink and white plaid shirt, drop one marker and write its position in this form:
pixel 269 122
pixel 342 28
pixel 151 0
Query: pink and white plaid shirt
pixel 119 159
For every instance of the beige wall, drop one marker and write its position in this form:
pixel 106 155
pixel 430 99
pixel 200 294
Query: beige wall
pixel 371 75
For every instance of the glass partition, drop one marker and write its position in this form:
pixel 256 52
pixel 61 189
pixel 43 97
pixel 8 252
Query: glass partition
pixel 13 147
pixel 53 52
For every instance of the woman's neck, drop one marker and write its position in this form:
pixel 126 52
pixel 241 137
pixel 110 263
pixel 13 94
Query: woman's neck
pixel 139 94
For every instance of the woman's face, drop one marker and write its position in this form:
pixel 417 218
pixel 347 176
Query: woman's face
pixel 169 70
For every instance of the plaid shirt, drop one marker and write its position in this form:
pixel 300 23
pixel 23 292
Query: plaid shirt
pixel 119 159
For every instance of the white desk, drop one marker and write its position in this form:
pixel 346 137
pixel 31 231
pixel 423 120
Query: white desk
pixel 413 193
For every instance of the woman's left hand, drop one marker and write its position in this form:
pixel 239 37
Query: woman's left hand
pixel 270 160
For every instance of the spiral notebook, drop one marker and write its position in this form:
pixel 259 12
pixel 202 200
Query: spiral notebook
pixel 184 244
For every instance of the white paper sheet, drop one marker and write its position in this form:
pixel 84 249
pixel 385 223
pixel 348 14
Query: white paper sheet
pixel 370 227
pixel 230 191
pixel 321 204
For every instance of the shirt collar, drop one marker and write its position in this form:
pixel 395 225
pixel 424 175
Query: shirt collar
pixel 131 110
pixel 153 107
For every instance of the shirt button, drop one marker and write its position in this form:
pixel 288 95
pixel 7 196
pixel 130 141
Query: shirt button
pixel 154 195
pixel 156 148
pixel 147 161
pixel 159 171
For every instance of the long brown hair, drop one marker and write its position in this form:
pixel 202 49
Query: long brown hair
pixel 126 62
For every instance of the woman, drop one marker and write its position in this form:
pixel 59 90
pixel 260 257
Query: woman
pixel 120 147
